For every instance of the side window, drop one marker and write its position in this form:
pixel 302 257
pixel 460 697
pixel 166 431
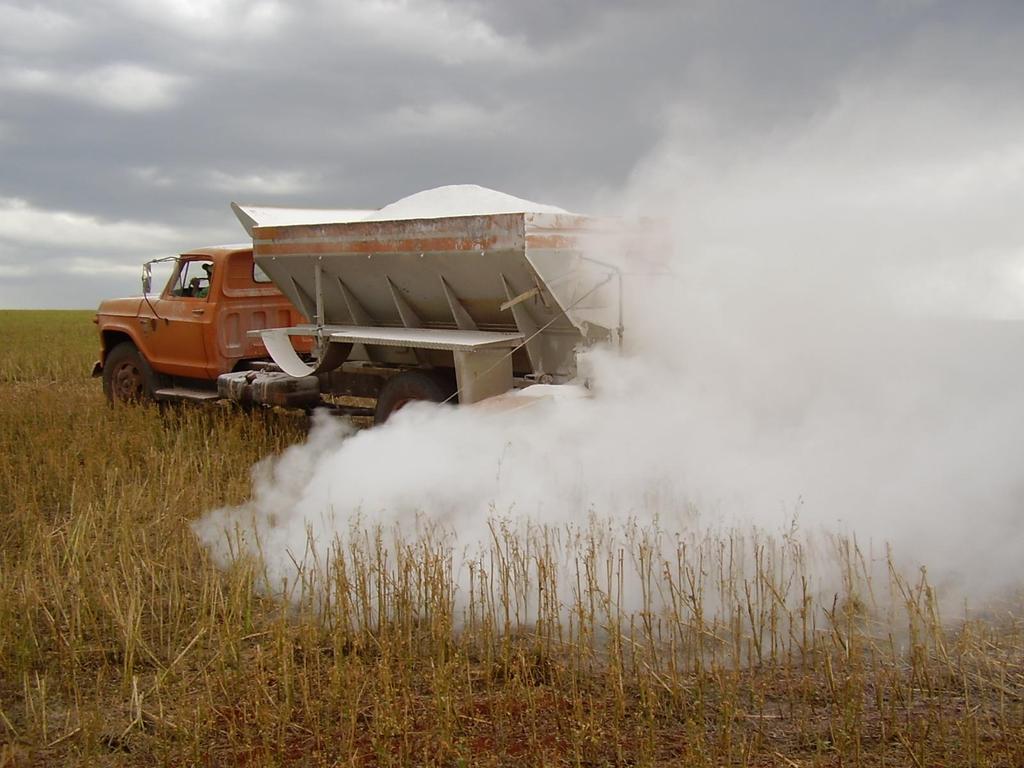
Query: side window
pixel 258 275
pixel 191 279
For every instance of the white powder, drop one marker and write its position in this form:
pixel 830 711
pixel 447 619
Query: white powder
pixel 458 200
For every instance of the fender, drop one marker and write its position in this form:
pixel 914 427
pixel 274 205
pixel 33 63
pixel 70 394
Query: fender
pixel 114 333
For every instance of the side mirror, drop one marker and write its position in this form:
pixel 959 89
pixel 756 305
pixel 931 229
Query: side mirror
pixel 147 278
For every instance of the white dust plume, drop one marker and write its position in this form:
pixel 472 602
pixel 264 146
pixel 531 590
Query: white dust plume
pixel 836 342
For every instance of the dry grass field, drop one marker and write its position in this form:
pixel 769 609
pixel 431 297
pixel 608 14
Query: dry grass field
pixel 122 644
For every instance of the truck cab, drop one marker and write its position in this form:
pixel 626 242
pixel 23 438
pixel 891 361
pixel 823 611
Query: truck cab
pixel 196 329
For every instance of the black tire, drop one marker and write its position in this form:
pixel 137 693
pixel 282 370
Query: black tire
pixel 127 376
pixel 404 387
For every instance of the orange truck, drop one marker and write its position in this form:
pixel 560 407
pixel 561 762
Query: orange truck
pixel 177 344
pixel 174 345
pixel 457 294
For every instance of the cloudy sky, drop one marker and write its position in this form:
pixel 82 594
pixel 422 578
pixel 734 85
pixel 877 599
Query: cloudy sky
pixel 126 128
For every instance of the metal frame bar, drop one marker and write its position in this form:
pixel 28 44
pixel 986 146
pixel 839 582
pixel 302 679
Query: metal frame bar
pixel 525 324
pixel 463 320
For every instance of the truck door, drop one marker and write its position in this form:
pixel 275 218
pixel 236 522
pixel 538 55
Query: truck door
pixel 184 312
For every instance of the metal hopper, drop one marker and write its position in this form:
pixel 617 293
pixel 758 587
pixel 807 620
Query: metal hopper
pixel 493 296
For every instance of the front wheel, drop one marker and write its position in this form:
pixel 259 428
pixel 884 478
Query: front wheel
pixel 127 377
pixel 404 387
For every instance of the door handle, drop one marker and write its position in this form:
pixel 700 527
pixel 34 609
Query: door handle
pixel 198 311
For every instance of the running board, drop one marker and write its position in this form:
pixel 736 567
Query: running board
pixel 182 394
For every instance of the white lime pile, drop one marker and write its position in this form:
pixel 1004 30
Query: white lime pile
pixel 458 200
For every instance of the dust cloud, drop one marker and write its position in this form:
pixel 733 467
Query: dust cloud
pixel 835 343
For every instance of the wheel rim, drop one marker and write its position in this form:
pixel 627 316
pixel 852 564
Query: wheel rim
pixel 127 381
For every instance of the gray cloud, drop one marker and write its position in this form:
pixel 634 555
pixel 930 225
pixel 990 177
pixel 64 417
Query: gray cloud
pixel 34 28
pixel 120 86
pixel 154 116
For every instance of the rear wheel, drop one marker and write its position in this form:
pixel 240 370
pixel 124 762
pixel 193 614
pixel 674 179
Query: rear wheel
pixel 401 389
pixel 127 377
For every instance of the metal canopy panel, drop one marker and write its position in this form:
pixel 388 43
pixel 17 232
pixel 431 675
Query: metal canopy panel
pixel 427 338
pixel 252 216
pixel 415 338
